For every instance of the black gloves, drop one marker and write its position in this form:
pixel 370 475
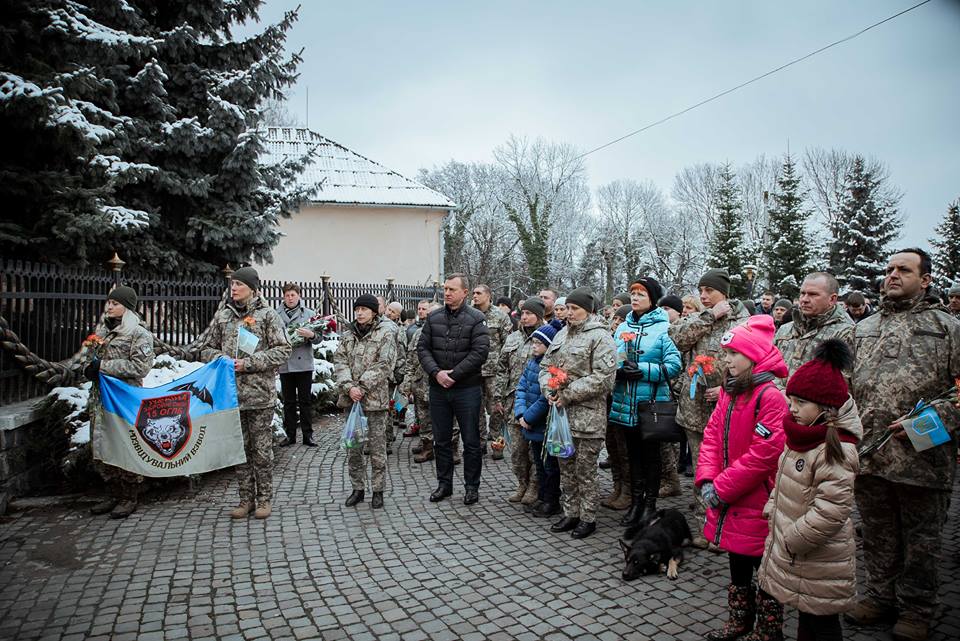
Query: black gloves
pixel 92 370
pixel 629 372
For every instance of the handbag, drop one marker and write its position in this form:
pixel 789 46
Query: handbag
pixel 657 420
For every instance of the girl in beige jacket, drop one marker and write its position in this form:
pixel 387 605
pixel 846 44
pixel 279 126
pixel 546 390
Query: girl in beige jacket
pixel 809 559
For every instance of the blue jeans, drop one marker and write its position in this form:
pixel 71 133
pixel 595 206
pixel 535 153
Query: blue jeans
pixel 462 403
pixel 548 474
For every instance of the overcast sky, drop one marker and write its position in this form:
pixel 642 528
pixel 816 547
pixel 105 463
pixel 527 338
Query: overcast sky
pixel 414 84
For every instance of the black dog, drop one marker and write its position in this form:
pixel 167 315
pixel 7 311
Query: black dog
pixel 656 546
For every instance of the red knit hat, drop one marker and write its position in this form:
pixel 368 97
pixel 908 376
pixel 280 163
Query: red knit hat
pixel 821 380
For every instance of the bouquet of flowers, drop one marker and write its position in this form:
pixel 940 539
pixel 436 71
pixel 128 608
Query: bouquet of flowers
pixel 318 324
pixel 558 378
pixel 623 348
pixel 702 366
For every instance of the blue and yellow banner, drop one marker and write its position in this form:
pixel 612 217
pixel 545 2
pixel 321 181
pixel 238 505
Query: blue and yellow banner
pixel 187 426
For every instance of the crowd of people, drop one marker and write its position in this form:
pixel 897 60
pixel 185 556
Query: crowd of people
pixel 782 408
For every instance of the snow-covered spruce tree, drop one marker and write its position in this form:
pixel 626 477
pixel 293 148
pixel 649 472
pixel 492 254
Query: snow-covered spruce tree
pixel 726 239
pixel 863 242
pixel 946 244
pixel 135 129
pixel 788 247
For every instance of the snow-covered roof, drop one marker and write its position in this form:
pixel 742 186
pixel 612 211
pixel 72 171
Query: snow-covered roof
pixel 345 176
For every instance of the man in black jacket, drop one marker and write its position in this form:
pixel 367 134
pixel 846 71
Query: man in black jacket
pixel 453 347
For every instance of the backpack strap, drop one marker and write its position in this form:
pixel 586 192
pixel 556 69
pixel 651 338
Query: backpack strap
pixel 763 390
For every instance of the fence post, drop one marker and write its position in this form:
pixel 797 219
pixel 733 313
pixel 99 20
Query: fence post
pixel 436 287
pixel 389 295
pixel 326 293
pixel 116 265
pixel 228 272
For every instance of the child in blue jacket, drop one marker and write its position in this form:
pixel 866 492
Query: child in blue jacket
pixel 530 409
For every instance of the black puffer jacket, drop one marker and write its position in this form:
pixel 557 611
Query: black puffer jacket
pixel 454 340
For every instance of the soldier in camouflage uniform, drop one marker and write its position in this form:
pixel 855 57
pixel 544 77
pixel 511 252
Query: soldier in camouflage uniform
pixel 513 358
pixel 499 327
pixel 584 350
pixel 416 388
pixel 362 367
pixel 816 319
pixel 126 352
pixel 396 377
pixel 256 382
pixel 699 335
pixel 909 350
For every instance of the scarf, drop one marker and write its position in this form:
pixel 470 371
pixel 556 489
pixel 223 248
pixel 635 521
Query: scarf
pixel 292 312
pixel 734 387
pixel 803 438
pixel 112 323
pixel 361 330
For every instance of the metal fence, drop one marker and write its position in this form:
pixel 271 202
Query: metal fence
pixel 52 309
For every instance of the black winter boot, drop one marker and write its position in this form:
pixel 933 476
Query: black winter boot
pixel 637 487
pixel 649 509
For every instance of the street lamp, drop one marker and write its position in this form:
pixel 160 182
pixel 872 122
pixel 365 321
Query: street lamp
pixel 750 271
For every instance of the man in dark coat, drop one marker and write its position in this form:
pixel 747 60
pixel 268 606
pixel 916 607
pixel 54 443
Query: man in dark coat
pixel 453 347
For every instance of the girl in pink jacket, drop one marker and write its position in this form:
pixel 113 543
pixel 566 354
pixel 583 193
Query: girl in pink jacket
pixel 735 472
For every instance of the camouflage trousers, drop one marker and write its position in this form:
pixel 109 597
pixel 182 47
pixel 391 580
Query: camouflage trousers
pixel 377 443
pixel 902 532
pixel 669 458
pixel 578 479
pixel 389 427
pixel 520 456
pixel 491 422
pixel 616 442
pixel 120 483
pixel 255 477
pixel 695 440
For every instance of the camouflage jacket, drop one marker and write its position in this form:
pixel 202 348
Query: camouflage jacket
pixel 499 328
pixel 907 351
pixel 699 335
pixel 797 339
pixel 415 380
pixel 127 349
pixel 256 384
pixel 400 364
pixel 366 362
pixel 587 354
pixel 516 351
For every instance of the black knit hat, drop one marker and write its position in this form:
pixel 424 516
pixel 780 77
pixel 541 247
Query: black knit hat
pixel 248 276
pixel 673 302
pixel 718 279
pixel 582 297
pixel 503 300
pixel 369 301
pixel 534 305
pixel 124 295
pixel 652 285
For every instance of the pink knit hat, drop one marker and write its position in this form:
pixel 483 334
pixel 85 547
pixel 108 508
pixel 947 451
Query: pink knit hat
pixel 755 341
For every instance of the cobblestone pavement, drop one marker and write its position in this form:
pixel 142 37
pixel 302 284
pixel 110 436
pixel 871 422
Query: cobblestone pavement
pixel 181 569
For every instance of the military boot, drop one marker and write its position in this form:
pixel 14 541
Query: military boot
pixel 264 510
pixel 911 627
pixel 613 496
pixel 243 510
pixel 426 451
pixel 128 502
pixel 741 614
pixel 533 489
pixel 104 506
pixel 517 496
pixel 869 612
pixel 769 623
pixel 625 500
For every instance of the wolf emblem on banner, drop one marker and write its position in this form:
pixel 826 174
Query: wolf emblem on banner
pixel 164 423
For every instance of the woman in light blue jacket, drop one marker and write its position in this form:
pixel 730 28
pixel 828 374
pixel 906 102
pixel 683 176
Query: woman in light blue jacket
pixel 647 360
